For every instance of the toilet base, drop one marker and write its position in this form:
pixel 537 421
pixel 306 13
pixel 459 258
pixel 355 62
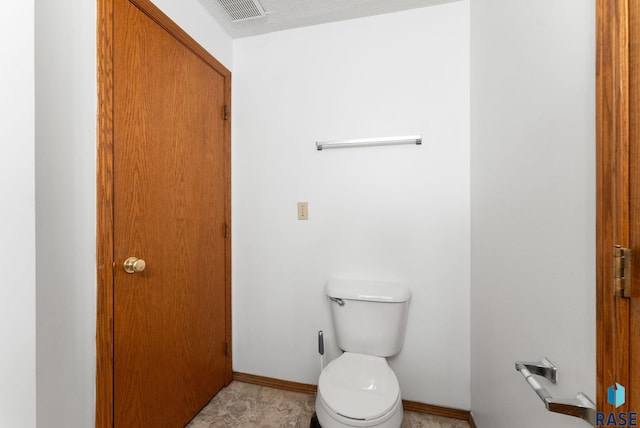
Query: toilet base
pixel 314 421
pixel 329 419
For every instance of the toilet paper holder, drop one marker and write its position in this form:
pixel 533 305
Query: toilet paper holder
pixel 580 407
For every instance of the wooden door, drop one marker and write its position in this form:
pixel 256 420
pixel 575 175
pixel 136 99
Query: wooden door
pixel 618 198
pixel 634 137
pixel 170 200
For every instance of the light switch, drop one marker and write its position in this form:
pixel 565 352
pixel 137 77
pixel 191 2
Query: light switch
pixel 303 211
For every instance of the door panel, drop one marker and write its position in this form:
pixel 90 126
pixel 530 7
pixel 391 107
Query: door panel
pixel 170 208
pixel 634 167
pixel 618 210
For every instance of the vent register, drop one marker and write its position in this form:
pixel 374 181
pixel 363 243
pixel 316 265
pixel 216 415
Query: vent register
pixel 241 10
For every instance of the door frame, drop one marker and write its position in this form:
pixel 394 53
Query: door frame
pixel 104 196
pixel 616 147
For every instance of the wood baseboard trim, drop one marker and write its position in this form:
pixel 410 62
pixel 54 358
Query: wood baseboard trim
pixel 472 423
pixel 304 388
pixel 275 383
pixel 430 409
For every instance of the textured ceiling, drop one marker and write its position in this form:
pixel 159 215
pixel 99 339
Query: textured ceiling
pixel 284 14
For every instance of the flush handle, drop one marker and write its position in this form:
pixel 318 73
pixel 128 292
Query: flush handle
pixel 337 300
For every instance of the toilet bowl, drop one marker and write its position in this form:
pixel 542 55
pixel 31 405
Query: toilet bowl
pixel 359 389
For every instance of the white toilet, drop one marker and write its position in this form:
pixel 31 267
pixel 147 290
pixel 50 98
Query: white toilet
pixel 359 389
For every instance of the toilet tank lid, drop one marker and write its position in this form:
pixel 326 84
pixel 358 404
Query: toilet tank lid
pixel 369 290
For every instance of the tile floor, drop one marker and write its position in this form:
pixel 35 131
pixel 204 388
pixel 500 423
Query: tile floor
pixel 242 405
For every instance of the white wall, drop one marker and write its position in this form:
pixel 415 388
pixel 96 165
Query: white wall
pixel 384 213
pixel 17 211
pixel 65 215
pixel 65 51
pixel 532 205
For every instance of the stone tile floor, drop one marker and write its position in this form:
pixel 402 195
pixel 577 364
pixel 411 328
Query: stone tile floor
pixel 242 405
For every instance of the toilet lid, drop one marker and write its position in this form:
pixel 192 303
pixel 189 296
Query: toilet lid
pixel 359 386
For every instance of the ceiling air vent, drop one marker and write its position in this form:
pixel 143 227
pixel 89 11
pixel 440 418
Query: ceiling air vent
pixel 240 10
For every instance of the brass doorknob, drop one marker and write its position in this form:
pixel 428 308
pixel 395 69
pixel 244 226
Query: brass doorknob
pixel 134 264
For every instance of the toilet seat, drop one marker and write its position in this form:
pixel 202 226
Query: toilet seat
pixel 359 387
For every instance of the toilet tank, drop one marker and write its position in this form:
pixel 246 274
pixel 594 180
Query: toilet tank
pixel 369 317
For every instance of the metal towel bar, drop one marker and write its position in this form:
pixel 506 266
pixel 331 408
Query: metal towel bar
pixel 367 142
pixel 580 407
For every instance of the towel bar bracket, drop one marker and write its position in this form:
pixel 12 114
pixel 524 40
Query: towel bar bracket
pixel 542 368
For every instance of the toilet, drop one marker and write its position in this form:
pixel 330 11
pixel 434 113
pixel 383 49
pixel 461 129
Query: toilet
pixel 359 389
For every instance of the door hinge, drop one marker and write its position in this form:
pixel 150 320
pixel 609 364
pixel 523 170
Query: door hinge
pixel 226 231
pixel 622 271
pixel 226 112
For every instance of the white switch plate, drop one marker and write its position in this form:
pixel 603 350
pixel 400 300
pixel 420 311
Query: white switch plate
pixel 303 211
